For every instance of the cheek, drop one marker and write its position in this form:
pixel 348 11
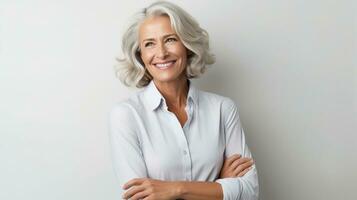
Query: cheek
pixel 146 57
pixel 182 52
pixel 183 55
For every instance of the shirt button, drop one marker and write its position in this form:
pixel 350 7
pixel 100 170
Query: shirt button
pixel 184 152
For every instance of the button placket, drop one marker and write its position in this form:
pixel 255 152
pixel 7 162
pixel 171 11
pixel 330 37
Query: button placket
pixel 184 144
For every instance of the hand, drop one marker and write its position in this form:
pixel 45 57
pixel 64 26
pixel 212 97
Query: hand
pixel 147 189
pixel 235 166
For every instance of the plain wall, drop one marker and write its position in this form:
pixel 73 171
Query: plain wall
pixel 290 65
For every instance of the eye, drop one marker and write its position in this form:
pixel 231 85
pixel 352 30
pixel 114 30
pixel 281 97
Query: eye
pixel 148 44
pixel 172 39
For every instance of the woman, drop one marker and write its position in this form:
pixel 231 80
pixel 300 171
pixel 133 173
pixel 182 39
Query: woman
pixel 172 140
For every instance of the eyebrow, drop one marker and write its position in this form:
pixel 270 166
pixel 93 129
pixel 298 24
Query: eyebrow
pixel 165 36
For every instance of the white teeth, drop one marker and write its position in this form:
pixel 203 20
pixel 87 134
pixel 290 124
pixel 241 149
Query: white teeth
pixel 163 65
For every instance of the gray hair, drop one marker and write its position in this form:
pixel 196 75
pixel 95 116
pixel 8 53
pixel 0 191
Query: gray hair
pixel 131 69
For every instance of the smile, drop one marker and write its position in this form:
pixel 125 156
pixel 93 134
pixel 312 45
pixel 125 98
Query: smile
pixel 165 65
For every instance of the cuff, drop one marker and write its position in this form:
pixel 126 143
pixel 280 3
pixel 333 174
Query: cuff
pixel 231 187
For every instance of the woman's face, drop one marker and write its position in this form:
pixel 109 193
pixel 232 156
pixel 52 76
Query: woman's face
pixel 162 51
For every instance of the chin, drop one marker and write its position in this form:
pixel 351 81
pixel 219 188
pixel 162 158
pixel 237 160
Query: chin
pixel 167 79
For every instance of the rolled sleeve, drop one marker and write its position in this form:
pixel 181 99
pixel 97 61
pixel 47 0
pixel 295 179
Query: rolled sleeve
pixel 241 188
pixel 229 187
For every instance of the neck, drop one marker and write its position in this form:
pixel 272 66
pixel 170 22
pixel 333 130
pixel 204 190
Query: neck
pixel 175 92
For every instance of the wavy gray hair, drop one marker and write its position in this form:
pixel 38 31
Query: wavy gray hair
pixel 131 69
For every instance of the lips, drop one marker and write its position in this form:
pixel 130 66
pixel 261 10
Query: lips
pixel 165 65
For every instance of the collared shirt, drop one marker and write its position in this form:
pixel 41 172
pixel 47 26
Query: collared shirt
pixel 147 140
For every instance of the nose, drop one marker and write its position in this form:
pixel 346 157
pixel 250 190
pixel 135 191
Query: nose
pixel 161 52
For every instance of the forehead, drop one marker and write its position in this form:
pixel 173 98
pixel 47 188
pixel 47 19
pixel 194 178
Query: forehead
pixel 155 27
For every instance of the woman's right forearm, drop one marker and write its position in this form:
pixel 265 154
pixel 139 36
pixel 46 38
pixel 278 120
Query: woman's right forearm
pixel 199 190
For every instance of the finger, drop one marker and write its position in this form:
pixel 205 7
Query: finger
pixel 140 195
pixel 242 167
pixel 132 182
pixel 238 162
pixel 134 190
pixel 148 198
pixel 232 158
pixel 244 172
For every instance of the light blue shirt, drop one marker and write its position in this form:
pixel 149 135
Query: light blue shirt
pixel 147 140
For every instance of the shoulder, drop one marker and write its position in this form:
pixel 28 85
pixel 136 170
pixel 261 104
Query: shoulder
pixel 123 118
pixel 224 102
pixel 225 106
pixel 128 109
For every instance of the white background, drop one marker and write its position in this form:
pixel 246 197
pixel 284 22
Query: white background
pixel 290 65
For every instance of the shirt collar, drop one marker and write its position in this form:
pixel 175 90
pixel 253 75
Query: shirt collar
pixel 153 98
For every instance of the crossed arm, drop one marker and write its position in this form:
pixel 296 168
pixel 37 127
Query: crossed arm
pixel 145 188
pixel 236 181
